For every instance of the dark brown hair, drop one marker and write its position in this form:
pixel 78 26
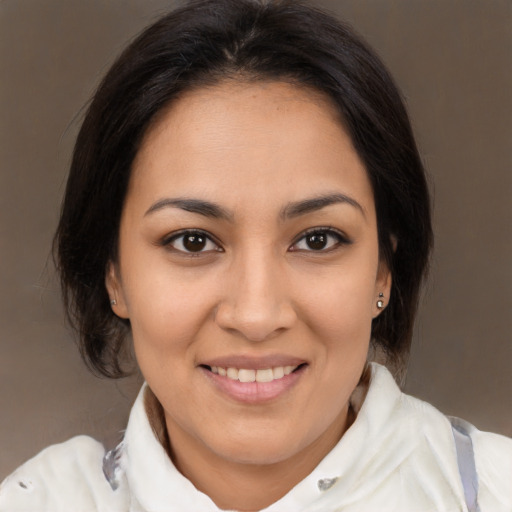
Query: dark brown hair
pixel 202 43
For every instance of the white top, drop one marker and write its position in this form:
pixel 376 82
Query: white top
pixel 400 454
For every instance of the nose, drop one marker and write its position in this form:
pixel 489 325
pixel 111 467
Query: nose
pixel 256 303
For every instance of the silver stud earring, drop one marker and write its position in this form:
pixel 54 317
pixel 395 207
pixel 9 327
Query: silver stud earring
pixel 113 302
pixel 380 302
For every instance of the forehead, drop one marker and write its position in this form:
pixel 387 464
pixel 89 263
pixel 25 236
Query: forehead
pixel 235 141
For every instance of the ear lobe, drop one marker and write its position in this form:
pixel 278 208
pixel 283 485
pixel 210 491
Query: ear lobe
pixel 115 291
pixel 382 288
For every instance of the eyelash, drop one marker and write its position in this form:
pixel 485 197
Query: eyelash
pixel 340 239
pixel 168 241
pixel 329 232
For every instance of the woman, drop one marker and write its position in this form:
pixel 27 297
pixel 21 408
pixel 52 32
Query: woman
pixel 247 205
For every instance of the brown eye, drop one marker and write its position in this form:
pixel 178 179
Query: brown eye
pixel 320 240
pixel 316 241
pixel 192 242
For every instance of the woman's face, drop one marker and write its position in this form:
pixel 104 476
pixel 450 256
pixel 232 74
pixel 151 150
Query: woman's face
pixel 248 252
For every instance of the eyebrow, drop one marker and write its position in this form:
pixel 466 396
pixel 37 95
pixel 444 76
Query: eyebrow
pixel 205 208
pixel 313 204
pixel 291 210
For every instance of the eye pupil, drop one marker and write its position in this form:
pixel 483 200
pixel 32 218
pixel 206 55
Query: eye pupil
pixel 317 241
pixel 194 242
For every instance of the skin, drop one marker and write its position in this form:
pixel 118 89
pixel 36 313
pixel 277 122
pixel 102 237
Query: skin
pixel 257 288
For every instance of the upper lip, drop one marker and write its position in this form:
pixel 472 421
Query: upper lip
pixel 253 362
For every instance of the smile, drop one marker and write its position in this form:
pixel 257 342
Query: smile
pixel 249 375
pixel 267 382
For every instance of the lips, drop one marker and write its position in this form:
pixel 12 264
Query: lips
pixel 254 380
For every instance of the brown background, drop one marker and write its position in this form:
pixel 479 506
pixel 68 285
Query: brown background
pixel 452 59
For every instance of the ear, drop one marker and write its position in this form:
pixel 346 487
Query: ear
pixel 115 291
pixel 382 288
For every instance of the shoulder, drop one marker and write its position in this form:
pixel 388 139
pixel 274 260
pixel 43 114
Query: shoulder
pixel 483 459
pixel 444 452
pixel 493 465
pixel 60 478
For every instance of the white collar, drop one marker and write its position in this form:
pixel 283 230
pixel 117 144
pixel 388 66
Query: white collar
pixel 385 433
pixel 154 480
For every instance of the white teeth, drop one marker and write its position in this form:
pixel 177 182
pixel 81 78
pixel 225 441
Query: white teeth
pixel 246 375
pixel 278 372
pixel 232 373
pixel 265 375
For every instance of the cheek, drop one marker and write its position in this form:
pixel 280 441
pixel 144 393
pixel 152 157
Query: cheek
pixel 166 307
pixel 164 325
pixel 340 304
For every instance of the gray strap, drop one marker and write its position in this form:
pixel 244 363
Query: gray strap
pixel 467 468
pixel 111 466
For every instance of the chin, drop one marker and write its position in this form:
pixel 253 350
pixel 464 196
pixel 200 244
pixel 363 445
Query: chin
pixel 260 448
pixel 257 455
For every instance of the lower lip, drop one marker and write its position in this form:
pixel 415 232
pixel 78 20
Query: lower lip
pixel 254 392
